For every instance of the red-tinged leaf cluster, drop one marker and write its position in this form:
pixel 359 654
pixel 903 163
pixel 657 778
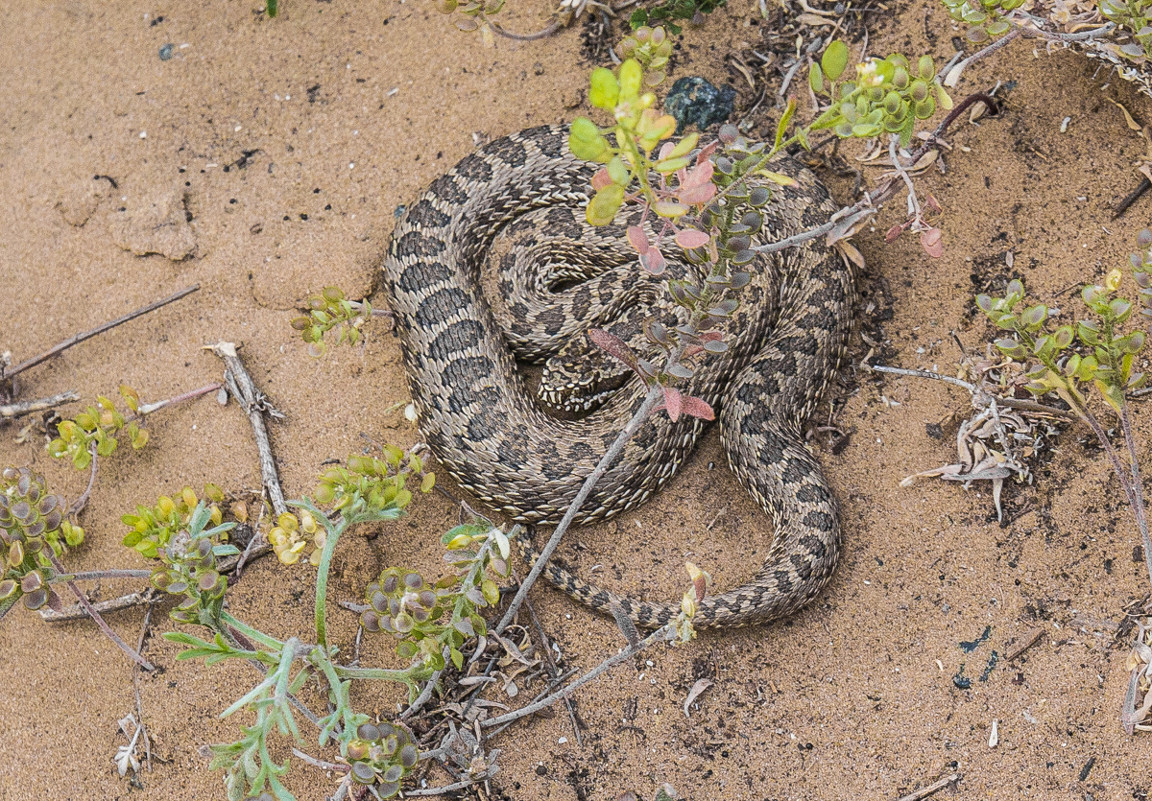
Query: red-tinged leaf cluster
pixel 677 403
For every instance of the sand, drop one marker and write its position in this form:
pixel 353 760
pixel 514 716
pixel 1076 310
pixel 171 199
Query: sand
pixel 264 159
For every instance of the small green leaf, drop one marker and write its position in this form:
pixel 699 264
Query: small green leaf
pixel 631 77
pixel 834 60
pixel 816 79
pixel 604 205
pixel 604 89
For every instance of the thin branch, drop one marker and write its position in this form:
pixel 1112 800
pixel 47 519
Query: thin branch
pixel 448 788
pixel 335 767
pixel 947 379
pixel 12 410
pixel 77 612
pixel 1011 403
pixel 924 792
pixel 1137 487
pixel 104 627
pixel 148 408
pixel 661 634
pixel 100 329
pixel 954 73
pixel 527 37
pixel 136 687
pixel 100 575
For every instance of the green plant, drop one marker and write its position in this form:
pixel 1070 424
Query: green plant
pixel 97 430
pixel 381 755
pixel 153 527
pixel 327 310
pixel 887 96
pixel 985 18
pixel 33 528
pixel 365 490
pixel 472 15
pixel 652 48
pixel 1135 17
pixel 668 11
pixel 1104 360
pixel 429 619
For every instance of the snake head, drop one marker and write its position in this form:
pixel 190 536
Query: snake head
pixel 579 379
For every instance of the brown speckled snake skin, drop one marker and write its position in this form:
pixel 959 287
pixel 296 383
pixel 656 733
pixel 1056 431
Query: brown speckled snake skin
pixel 487 431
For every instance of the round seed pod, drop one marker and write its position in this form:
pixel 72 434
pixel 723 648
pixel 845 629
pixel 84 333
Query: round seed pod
pixel 363 773
pixel 409 755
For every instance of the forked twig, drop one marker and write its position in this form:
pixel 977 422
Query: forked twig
pixel 255 404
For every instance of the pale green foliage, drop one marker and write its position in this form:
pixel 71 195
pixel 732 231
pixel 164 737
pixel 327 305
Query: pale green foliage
pixel 1135 17
pixel 33 527
pixel 884 96
pixel 98 426
pixel 1107 353
pixel 985 18
pixel 428 619
pixel 327 310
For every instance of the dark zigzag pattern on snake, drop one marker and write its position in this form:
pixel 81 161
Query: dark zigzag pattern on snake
pixel 490 435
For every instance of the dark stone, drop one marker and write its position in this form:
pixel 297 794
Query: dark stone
pixel 695 101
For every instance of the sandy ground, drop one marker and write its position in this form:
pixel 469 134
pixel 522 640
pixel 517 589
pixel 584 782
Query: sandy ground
pixel 264 160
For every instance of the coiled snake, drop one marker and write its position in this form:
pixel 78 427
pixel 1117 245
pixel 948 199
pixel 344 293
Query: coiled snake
pixel 487 431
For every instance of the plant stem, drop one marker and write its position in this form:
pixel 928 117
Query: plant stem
pixel 11 410
pixel 415 673
pixel 334 532
pixel 1133 490
pixel 104 627
pixel 78 505
pixel 148 408
pixel 1137 487
pixel 1011 36
pixel 97 575
pixel 655 395
pixel 656 636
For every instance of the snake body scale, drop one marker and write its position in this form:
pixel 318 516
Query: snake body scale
pixel 487 431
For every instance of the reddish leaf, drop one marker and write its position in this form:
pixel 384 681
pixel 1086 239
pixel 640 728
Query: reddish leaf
pixel 653 261
pixel 614 346
pixel 601 179
pixel 933 204
pixel 696 195
pixel 672 402
pixel 932 241
pixel 690 238
pixel 666 149
pixel 894 232
pixel 696 408
pixel 700 174
pixel 707 151
pixel 638 239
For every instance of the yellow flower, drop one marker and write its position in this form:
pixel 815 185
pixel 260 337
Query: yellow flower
pixel 1112 281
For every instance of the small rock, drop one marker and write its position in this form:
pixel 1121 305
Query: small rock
pixel 695 101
